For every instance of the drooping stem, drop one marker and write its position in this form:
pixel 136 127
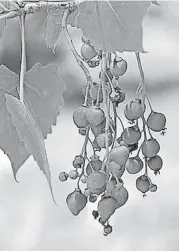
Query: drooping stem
pixel 84 154
pixel 23 56
pixel 72 47
pixel 145 139
pixel 141 88
pixel 102 80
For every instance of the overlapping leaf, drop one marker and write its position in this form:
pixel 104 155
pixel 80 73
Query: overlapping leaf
pixel 43 94
pixel 113 25
pixel 53 24
pixel 29 132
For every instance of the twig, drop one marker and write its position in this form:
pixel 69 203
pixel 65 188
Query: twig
pixel 23 56
pixel 72 47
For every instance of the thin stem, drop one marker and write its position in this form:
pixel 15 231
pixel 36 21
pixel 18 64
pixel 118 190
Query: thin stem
pixel 23 56
pixel 115 125
pixel 149 103
pixel 145 138
pixel 86 94
pixel 92 145
pixel 102 80
pixel 83 153
pixel 141 88
pixel 72 47
pixel 123 128
pixel 140 66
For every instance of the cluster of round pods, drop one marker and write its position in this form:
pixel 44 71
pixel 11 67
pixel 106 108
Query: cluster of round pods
pixel 102 177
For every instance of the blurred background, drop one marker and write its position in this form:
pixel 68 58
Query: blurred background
pixel 28 218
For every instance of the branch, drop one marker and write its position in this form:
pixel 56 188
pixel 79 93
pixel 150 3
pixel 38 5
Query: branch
pixel 32 7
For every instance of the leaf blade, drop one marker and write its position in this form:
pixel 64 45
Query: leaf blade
pixel 124 16
pixel 29 132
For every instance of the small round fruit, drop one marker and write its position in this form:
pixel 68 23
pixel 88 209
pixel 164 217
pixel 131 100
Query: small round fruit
pixel 116 169
pixel 89 169
pixel 156 121
pixel 78 161
pixel 79 117
pixel 110 186
pixel 101 140
pixel 120 195
pixel 96 180
pixel 155 163
pixel 120 155
pixel 118 68
pixel 97 130
pixel 95 145
pixel 76 201
pixel 94 93
pixel 101 221
pixel 99 190
pixel 83 179
pixel 95 115
pixel 106 207
pixel 63 176
pixel 87 192
pixel 73 174
pixel 88 52
pixel 92 63
pixel 134 165
pixel 150 148
pixel 107 230
pixel 133 110
pixel 153 188
pixel 143 184
pixel 118 96
pixel 96 163
pixel 131 135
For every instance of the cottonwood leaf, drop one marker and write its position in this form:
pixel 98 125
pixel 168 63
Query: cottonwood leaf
pixel 43 91
pixel 72 17
pixel 53 24
pixel 44 94
pixel 29 132
pixel 113 25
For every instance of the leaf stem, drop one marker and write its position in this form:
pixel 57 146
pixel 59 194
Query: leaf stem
pixel 23 56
